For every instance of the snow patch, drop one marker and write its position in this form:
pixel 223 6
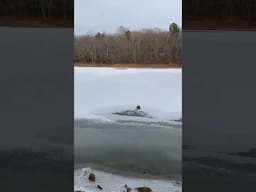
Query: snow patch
pixel 116 183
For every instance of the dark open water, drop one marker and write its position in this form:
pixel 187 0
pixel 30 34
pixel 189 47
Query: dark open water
pixel 129 148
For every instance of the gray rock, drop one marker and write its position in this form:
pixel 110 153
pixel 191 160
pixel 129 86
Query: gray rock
pixel 92 177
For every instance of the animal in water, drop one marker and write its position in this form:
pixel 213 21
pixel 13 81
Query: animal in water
pixel 138 107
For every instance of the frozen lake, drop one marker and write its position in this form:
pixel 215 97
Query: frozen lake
pixel 145 147
pixel 101 88
pixel 219 110
pixel 36 144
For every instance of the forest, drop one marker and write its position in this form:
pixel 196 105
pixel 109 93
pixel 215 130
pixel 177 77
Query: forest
pixel 147 46
pixel 231 13
pixel 41 10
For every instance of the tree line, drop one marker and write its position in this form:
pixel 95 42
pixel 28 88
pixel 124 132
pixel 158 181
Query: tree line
pixel 43 9
pixel 148 46
pixel 222 10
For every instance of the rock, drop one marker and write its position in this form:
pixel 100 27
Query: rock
pixel 99 187
pixel 144 189
pixel 128 189
pixel 92 177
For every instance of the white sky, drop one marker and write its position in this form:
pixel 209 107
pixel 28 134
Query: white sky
pixel 93 16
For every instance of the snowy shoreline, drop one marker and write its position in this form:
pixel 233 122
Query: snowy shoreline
pixel 110 182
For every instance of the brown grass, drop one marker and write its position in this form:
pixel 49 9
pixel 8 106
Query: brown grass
pixel 129 65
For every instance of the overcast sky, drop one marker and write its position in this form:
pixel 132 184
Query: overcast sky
pixel 93 16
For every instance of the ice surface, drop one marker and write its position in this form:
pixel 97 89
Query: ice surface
pixel 101 92
pixel 110 96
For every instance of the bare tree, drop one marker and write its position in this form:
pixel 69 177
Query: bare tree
pixel 145 46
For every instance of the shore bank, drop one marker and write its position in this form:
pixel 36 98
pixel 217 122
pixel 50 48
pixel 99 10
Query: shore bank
pixel 129 65
pixel 114 182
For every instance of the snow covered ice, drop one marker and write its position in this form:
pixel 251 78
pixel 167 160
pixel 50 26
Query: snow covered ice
pixel 100 92
pixel 109 126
